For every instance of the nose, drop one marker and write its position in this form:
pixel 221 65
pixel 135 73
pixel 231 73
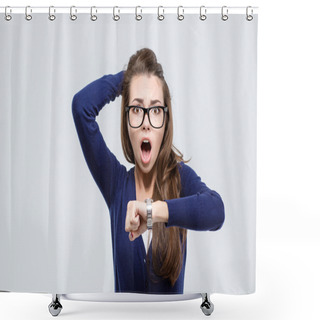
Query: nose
pixel 146 124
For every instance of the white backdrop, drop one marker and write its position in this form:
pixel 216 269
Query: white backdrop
pixel 55 234
pixel 287 84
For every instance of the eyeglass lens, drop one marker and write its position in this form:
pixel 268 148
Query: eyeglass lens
pixel 156 116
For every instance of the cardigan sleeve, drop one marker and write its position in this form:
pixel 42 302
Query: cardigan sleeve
pixel 86 105
pixel 199 207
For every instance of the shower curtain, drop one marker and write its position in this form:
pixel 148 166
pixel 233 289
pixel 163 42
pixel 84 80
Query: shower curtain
pixel 55 227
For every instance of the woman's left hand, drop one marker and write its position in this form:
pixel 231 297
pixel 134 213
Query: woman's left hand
pixel 136 219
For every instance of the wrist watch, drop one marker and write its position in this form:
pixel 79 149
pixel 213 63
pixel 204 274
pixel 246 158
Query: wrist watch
pixel 149 213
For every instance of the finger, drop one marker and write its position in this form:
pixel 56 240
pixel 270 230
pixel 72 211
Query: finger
pixel 130 226
pixel 129 214
pixel 132 222
pixel 143 210
pixel 133 235
pixel 138 232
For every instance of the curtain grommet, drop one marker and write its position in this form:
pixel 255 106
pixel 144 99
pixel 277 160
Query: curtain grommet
pixel 138 16
pixel 7 16
pixel 73 16
pixel 203 16
pixel 28 16
pixel 224 13
pixel 160 16
pixel 249 17
pixel 93 17
pixel 116 17
pixel 180 16
pixel 52 17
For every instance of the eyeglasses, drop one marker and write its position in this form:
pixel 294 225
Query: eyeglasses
pixel 156 116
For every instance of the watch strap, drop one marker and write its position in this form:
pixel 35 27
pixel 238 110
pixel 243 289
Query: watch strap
pixel 149 213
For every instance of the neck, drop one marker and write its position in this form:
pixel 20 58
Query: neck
pixel 144 183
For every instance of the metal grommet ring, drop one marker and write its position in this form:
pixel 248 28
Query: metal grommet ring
pixel 28 15
pixel 93 16
pixel 73 17
pixel 224 13
pixel 160 16
pixel 116 17
pixel 249 16
pixel 138 16
pixel 180 16
pixel 203 15
pixel 8 17
pixel 51 16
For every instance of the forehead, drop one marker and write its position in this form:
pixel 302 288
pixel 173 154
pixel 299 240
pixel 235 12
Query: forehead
pixel 146 88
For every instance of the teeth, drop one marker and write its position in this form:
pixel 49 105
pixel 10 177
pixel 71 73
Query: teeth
pixel 145 141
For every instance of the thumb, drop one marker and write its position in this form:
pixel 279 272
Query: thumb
pixel 133 235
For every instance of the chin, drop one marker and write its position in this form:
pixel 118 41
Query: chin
pixel 145 167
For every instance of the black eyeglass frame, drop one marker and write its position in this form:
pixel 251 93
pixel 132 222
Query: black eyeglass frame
pixel 147 110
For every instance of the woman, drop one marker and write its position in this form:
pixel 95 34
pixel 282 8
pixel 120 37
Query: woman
pixel 180 200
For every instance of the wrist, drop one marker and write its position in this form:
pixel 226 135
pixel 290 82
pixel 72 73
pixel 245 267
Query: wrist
pixel 160 212
pixel 120 76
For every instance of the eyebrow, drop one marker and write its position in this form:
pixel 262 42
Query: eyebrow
pixel 141 101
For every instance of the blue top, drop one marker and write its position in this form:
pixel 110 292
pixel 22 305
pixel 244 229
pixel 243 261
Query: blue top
pixel 199 208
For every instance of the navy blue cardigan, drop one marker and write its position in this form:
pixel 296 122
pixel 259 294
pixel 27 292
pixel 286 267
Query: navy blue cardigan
pixel 199 208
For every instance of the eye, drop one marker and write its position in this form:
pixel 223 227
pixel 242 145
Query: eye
pixel 136 110
pixel 156 110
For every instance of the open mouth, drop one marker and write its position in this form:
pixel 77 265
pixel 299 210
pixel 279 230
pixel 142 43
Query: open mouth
pixel 145 151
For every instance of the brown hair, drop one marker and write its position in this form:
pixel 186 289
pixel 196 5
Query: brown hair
pixel 168 244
